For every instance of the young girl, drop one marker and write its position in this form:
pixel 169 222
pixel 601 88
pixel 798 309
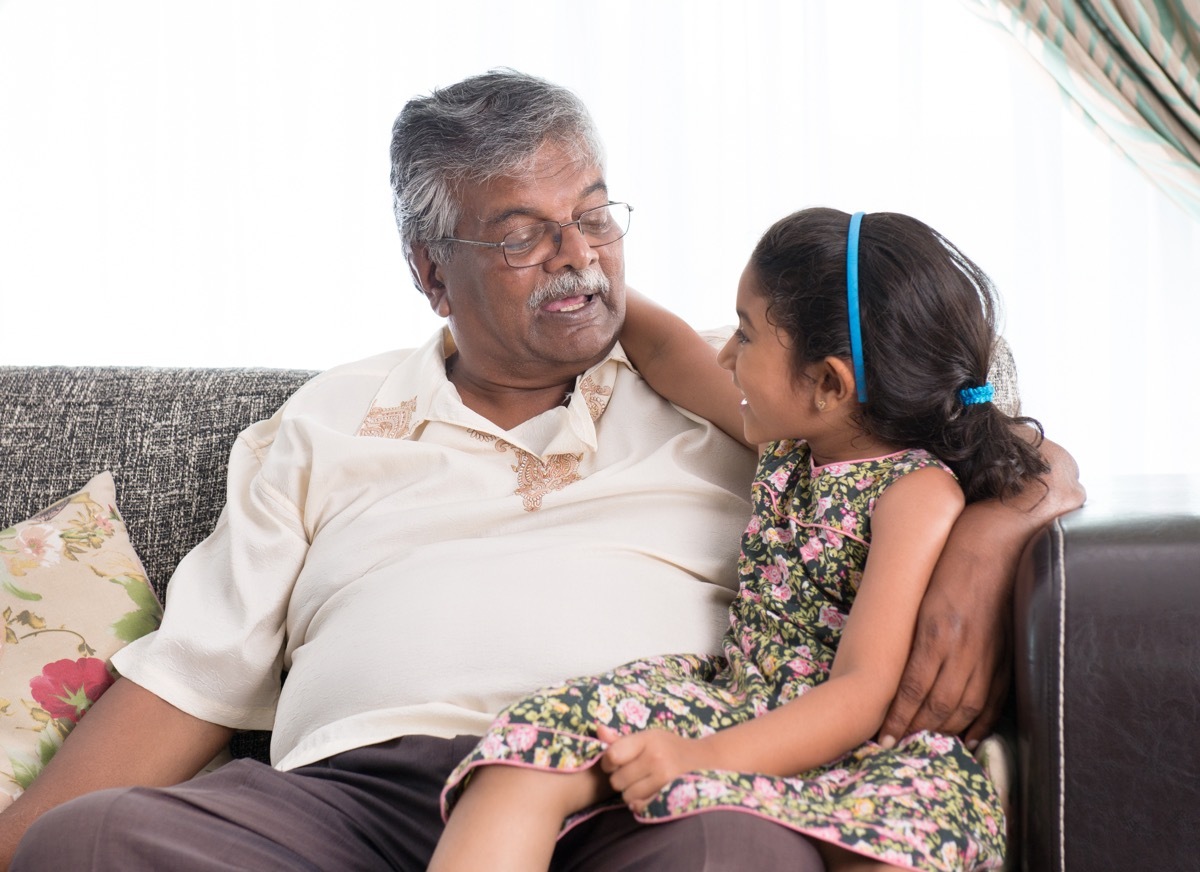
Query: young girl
pixel 860 365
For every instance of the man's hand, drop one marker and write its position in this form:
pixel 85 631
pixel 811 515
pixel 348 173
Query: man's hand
pixel 958 673
pixel 638 765
pixel 960 668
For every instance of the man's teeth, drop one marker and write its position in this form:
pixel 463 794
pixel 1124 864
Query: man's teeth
pixel 568 304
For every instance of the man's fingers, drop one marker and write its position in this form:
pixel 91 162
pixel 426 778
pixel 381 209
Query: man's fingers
pixel 985 723
pixel 919 675
pixel 953 707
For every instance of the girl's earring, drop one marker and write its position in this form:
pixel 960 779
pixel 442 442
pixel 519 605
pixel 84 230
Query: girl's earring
pixel 820 405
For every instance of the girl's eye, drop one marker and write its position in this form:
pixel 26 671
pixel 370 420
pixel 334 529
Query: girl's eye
pixel 740 336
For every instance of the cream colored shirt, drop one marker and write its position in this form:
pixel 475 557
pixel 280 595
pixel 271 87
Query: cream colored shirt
pixel 414 568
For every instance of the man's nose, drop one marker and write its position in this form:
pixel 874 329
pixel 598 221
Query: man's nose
pixel 574 251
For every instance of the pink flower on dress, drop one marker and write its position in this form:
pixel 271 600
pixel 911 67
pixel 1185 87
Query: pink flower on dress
pixel 831 617
pixel 778 479
pixel 521 737
pixel 924 788
pixel 634 712
pixel 39 543
pixel 771 574
pixel 67 688
pixel 940 743
pixel 754 526
pixel 812 549
pixel 763 787
pixel 801 666
pixel 863 483
pixel 681 797
pixel 492 747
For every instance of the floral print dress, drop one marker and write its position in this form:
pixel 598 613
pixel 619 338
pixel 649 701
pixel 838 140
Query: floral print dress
pixel 923 804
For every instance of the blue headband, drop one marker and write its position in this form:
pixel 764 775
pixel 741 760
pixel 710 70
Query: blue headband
pixel 856 351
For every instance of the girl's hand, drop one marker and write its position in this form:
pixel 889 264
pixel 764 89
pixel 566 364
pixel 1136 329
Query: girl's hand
pixel 638 765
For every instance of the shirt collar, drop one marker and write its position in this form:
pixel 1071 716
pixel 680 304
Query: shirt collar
pixel 417 392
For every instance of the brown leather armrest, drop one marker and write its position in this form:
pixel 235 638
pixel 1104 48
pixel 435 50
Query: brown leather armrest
pixel 1107 637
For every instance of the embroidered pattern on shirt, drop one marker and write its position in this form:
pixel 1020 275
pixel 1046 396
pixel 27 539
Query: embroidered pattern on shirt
pixel 389 422
pixel 535 479
pixel 596 396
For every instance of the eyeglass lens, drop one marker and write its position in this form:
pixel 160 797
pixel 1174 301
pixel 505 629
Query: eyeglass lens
pixel 538 243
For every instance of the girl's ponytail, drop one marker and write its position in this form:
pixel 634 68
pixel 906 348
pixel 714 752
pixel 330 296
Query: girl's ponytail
pixel 987 451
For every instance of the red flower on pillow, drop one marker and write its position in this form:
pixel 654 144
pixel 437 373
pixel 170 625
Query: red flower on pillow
pixel 67 688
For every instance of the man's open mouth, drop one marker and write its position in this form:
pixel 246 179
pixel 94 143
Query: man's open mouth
pixel 568 304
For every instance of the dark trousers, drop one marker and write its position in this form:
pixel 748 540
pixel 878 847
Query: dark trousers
pixel 373 808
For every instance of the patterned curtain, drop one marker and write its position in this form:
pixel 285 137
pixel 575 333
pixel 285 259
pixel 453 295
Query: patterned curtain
pixel 1132 67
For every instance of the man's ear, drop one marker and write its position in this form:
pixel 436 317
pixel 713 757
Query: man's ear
pixel 835 382
pixel 428 277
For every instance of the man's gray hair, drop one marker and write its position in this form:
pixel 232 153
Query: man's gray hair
pixel 484 127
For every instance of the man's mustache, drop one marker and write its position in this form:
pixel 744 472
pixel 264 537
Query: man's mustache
pixel 571 284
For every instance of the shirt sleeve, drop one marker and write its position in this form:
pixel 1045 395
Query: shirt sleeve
pixel 219 652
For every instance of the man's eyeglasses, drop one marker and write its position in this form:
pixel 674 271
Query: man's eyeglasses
pixel 535 244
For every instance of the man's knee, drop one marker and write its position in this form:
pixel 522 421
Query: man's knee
pixel 735 840
pixel 65 837
pixel 716 841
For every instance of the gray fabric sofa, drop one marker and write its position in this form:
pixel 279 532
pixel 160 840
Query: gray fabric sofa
pixel 1107 606
pixel 165 434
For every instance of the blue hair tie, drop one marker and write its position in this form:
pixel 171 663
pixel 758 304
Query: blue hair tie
pixel 856 349
pixel 981 394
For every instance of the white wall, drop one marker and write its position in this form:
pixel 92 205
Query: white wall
pixel 186 183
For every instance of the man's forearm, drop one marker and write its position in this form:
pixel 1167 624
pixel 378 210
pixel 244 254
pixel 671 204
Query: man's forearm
pixel 130 736
pixel 1000 529
pixel 992 534
pixel 1058 491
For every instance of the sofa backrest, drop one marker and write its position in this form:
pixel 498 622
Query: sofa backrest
pixel 165 433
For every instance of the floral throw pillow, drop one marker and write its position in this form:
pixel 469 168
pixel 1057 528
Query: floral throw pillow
pixel 72 593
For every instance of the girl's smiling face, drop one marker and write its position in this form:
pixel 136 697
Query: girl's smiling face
pixel 777 404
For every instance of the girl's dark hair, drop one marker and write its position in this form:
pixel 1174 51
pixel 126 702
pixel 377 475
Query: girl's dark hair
pixel 928 327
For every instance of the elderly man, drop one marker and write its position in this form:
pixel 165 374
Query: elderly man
pixel 419 538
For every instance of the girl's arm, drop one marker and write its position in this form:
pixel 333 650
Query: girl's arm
pixel 908 528
pixel 679 364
